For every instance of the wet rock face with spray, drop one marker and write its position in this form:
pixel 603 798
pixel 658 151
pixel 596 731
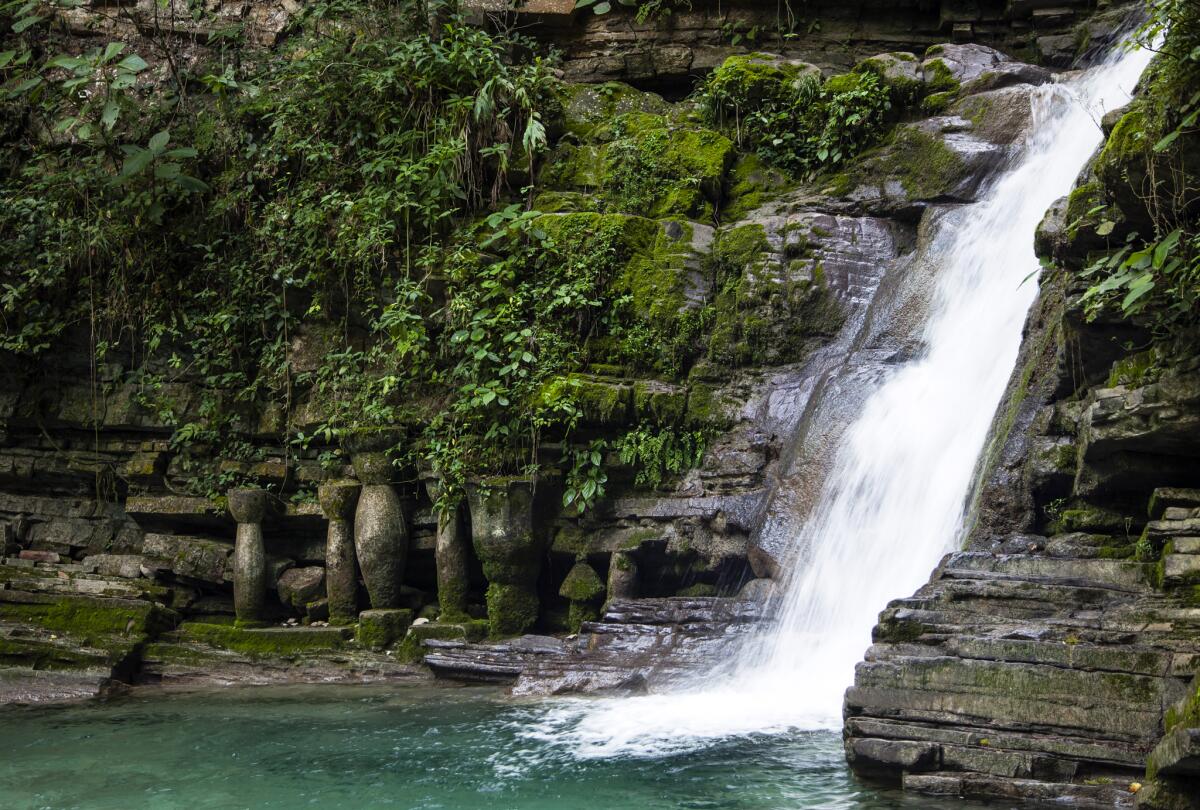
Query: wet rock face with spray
pixel 892 501
pixel 1033 667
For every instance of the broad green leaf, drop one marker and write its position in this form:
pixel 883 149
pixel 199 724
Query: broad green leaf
pixel 159 140
pixel 111 50
pixel 1105 228
pixel 65 61
pixel 1166 142
pixel 181 152
pixel 135 163
pixel 166 171
pixel 1164 248
pixel 583 4
pixel 23 23
pixel 133 63
pixel 602 8
pixel 6 57
pixel 108 116
pixel 25 86
pixel 1140 286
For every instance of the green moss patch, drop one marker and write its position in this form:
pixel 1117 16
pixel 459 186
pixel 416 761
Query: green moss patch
pixel 266 643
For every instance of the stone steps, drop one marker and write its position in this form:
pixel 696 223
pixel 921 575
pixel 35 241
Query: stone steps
pixel 63 617
pixel 1031 677
pixel 636 641
pixel 73 578
pixel 1105 793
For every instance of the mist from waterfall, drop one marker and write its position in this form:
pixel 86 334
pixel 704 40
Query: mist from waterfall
pixel 893 501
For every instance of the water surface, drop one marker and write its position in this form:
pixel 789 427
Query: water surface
pixel 388 747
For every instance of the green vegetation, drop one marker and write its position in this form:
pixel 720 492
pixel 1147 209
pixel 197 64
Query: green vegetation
pixel 335 244
pixel 1150 207
pixel 790 117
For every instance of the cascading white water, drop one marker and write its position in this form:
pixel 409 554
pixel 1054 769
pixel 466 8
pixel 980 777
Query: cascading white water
pixel 893 502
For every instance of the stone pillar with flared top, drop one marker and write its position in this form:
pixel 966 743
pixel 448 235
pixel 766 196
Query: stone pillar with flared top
pixel 452 557
pixel 248 507
pixel 504 540
pixel 338 501
pixel 380 532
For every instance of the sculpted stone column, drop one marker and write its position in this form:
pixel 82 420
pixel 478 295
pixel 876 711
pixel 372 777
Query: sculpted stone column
pixel 338 500
pixel 451 556
pixel 622 576
pixel 380 534
pixel 502 532
pixel 249 507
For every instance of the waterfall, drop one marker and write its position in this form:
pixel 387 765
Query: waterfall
pixel 892 503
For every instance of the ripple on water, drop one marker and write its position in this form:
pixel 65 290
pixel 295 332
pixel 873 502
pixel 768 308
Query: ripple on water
pixel 421 748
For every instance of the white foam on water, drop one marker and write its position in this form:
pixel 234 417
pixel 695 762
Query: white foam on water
pixel 893 502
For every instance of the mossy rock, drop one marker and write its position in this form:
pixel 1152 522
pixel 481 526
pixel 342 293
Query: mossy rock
pixel 646 164
pixel 582 584
pixel 658 403
pixel 1090 519
pixel 1122 165
pixel 267 643
pixel 380 629
pixel 900 72
pixel 751 183
pixel 410 649
pixel 567 202
pixel 658 170
pixel 707 408
pixel 580 612
pixel 572 167
pixel 512 610
pixel 915 161
pixel 586 106
pixel 938 76
pixel 88 619
pixel 751 80
pixel 601 402
pixel 766 312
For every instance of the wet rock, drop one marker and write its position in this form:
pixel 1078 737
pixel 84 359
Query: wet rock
pixel 757 590
pixel 299 586
pixel 38 556
pixel 129 566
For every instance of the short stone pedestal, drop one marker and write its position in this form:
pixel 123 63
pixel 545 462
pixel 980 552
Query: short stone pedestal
pixel 452 555
pixel 380 629
pixel 338 501
pixel 502 532
pixel 380 533
pixel 249 507
pixel 622 576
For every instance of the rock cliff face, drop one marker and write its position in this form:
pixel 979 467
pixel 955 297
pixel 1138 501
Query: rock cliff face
pixel 90 473
pixel 1055 656
pixel 1047 660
